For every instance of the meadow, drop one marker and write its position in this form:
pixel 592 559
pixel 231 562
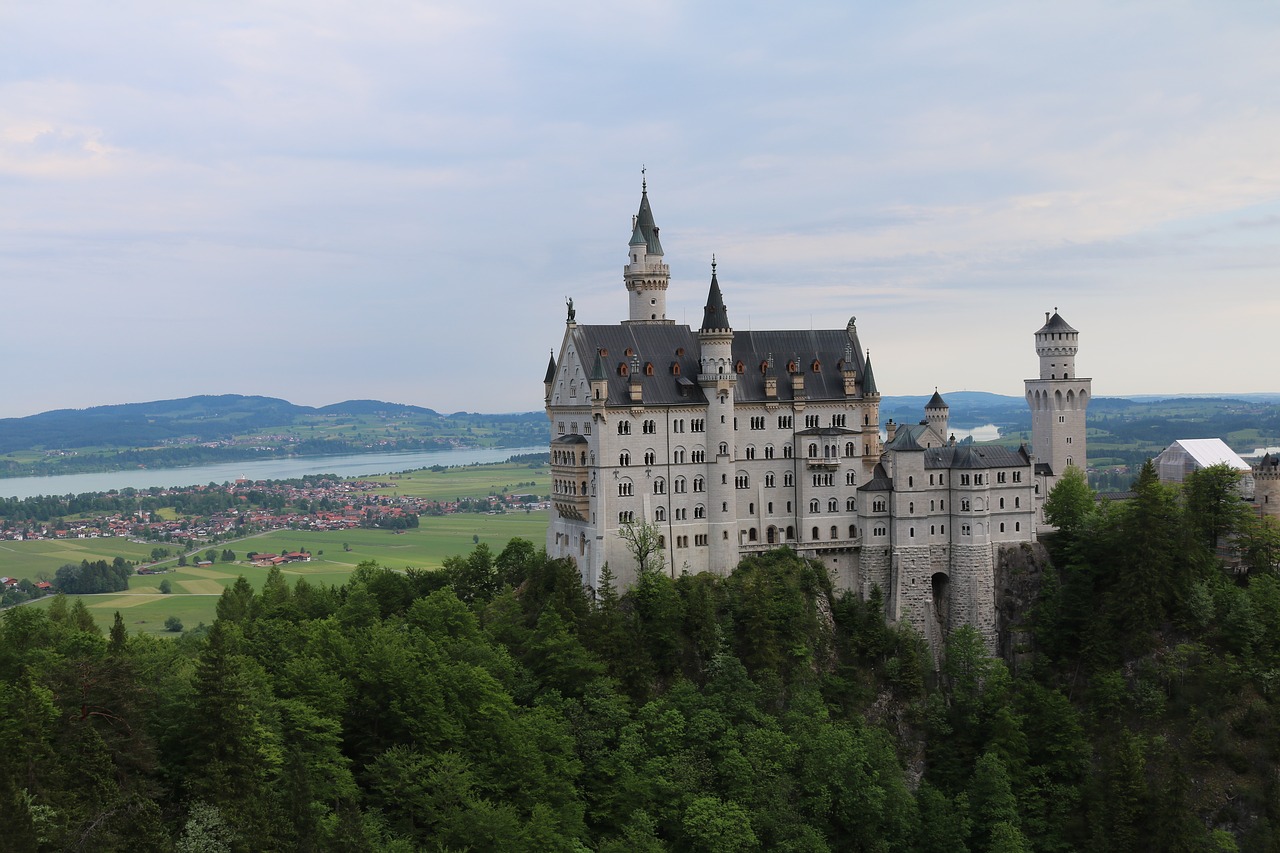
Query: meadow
pixel 195 589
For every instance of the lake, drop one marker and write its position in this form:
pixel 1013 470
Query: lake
pixel 353 465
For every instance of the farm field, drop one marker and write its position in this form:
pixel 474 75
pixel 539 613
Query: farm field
pixel 474 481
pixel 196 589
pixel 28 559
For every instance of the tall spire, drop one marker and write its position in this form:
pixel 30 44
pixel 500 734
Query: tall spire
pixel 644 221
pixel 715 315
pixel 868 378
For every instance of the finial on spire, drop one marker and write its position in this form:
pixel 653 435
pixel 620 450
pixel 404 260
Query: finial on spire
pixel 713 263
pixel 644 181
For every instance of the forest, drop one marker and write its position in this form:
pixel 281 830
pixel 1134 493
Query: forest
pixel 496 705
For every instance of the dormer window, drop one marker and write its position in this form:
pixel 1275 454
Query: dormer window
pixel 817 366
pixel 675 368
pixel 622 368
pixel 739 368
pixel 648 368
pixel 630 352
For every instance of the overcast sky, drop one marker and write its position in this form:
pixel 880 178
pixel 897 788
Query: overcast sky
pixel 322 201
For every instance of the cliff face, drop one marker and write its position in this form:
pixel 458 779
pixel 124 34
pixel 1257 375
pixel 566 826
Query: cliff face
pixel 1019 572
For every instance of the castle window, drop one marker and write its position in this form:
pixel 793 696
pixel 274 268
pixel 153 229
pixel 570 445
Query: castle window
pixel 784 421
pixel 742 481
pixel 757 422
pixel 649 427
pixel 850 505
pixel 751 535
pixel 699 484
pixel 878 505
pixel 911 508
pixel 698 456
pixel 786 451
pixel 622 368
pixel 625 488
pixel 1068 439
pixel 848 448
pixel 768 480
pixel 681 514
pixel 697 425
pixel 964 505
pixel 648 457
pixel 624 428
pixel 660 514
pixel 1002 527
pixel 837 421
pixel 768 451
pixel 911 531
pixel 724 507
pixel 813 450
pixel 679 485
pixel 788 479
pixel 739 368
pixel 724 448
pixel 835 532
pixel 810 421
pixel 1017 503
pixel 816 366
pixel 648 368
pixel 626 517
pixel 624 458
pixel 931 531
pixel 833 505
pixel 659 486
pixel 1017 526
pixel 850 478
pixel 853 532
pixel 1017 476
pixel 964 530
pixel 815 534
pixel 677 456
pixel 699 511
pixel 815 506
pixel 911 481
pixel 751 452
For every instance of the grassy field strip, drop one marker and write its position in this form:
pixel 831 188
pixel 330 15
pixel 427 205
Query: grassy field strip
pixel 206 587
pixel 126 600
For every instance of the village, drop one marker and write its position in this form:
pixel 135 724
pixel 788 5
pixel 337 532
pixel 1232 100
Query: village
pixel 249 507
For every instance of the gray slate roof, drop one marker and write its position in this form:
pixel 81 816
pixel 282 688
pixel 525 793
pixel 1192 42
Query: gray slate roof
pixel 646 226
pixel 970 456
pixel 1055 324
pixel 668 345
pixel 714 314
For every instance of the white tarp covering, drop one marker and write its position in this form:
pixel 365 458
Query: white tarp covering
pixel 1191 454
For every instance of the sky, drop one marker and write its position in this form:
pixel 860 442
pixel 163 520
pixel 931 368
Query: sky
pixel 323 201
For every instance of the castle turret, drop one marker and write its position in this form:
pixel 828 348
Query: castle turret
pixel 718 377
pixel 645 274
pixel 549 382
pixel 1266 485
pixel 1058 400
pixel 937 414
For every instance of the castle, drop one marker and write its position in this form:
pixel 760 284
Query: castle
pixel 732 442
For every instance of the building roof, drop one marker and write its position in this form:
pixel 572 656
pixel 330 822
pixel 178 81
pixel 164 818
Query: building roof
pixel 551 369
pixel 715 315
pixel 868 378
pixel 673 351
pixel 1055 323
pixel 969 456
pixel 936 402
pixel 645 224
pixel 879 481
pixel 1210 451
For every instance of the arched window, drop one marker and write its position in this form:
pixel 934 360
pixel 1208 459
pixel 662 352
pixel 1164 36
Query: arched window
pixel 788 480
pixel 815 534
pixel 659 486
pixel 814 506
pixel 848 448
pixel 813 450
pixel 850 505
pixel 660 514
pixel 699 511
pixel 680 485
pixel 724 448
pixel 699 484
pixel 768 480
pixel 833 505
pixel 835 532
pixel 624 458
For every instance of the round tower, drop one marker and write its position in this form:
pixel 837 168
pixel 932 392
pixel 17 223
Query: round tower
pixel 937 414
pixel 1058 400
pixel 718 377
pixel 645 275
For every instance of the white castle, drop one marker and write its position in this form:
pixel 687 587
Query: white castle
pixel 737 442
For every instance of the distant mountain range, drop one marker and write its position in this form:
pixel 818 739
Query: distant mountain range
pixel 203 418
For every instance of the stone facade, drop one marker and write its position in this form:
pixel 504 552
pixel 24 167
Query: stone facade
pixel 731 443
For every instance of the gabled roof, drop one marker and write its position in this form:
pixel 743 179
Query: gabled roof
pixel 968 456
pixel 1210 451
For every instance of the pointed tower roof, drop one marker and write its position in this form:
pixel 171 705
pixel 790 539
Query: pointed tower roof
pixel 715 315
pixel 936 402
pixel 645 226
pixel 637 236
pixel 551 369
pixel 597 370
pixel 868 378
pixel 1055 323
